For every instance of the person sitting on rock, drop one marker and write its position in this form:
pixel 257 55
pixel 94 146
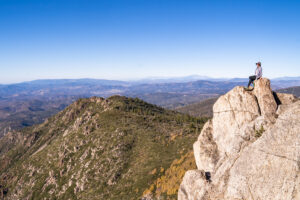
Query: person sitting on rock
pixel 258 74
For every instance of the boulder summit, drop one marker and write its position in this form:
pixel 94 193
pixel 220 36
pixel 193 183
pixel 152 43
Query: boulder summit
pixel 250 149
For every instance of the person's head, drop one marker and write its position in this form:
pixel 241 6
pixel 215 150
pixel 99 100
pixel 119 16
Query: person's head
pixel 258 64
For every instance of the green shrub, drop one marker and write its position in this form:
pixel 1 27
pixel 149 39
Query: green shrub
pixel 259 132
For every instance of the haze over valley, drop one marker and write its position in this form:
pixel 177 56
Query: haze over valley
pixel 28 103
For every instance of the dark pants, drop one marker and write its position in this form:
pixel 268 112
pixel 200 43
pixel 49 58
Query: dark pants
pixel 251 79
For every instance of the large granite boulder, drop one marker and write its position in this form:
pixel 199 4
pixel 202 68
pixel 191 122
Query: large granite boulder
pixel 231 112
pixel 249 150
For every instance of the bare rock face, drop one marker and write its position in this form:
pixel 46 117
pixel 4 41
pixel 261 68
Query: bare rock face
pixel 269 167
pixel 231 112
pixel 205 149
pixel 250 149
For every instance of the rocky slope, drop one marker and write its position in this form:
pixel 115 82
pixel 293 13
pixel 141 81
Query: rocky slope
pixel 96 148
pixel 249 150
pixel 199 109
pixel 291 90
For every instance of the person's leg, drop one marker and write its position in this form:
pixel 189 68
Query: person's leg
pixel 251 79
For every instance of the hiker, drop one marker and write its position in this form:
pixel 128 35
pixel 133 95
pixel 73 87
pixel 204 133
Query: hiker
pixel 258 74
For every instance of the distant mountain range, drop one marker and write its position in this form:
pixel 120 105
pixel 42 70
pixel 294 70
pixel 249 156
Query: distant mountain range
pixel 207 78
pixel 149 80
pixel 28 103
pixel 286 78
pixel 291 90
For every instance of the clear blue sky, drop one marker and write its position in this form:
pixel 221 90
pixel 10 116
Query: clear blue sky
pixel 123 39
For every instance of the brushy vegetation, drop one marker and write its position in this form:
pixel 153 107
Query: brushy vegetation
pixel 167 185
pixel 259 132
pixel 97 148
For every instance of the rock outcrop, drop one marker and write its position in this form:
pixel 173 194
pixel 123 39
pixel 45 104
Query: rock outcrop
pixel 265 97
pixel 249 150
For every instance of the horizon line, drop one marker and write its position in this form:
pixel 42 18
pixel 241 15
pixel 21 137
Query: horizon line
pixel 149 78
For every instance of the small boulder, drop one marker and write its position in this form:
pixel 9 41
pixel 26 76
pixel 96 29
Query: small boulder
pixel 193 186
pixel 285 99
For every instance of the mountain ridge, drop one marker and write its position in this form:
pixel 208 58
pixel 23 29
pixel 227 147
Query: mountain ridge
pixel 96 148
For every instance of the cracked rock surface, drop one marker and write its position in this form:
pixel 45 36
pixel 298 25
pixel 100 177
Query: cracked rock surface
pixel 251 148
